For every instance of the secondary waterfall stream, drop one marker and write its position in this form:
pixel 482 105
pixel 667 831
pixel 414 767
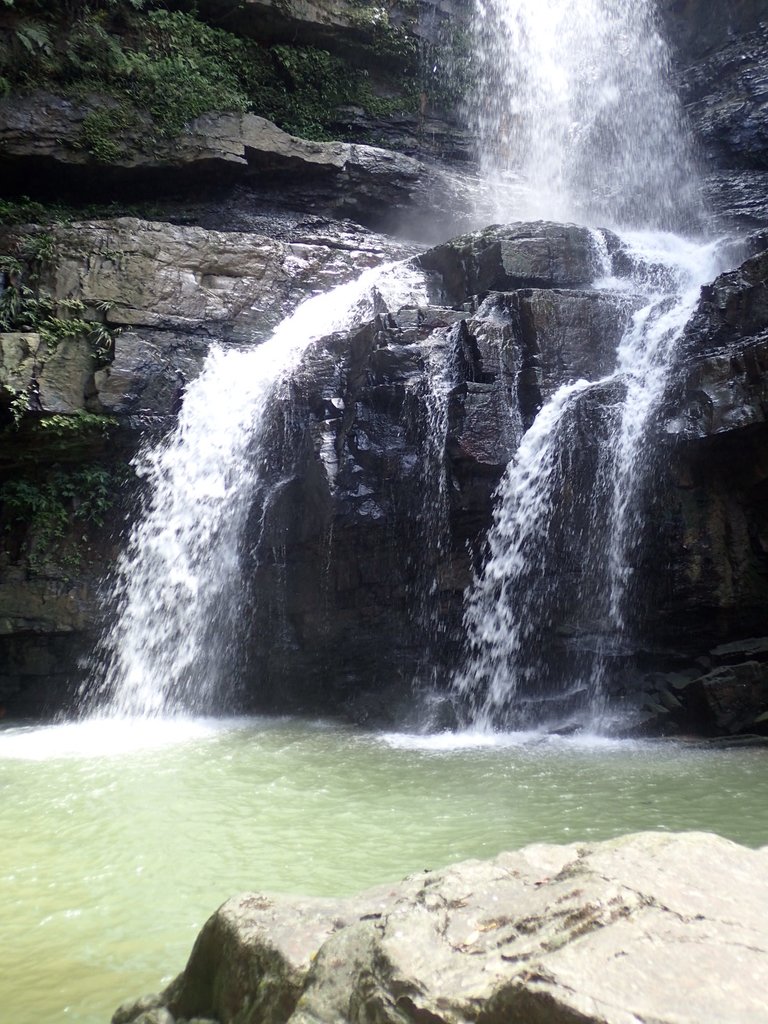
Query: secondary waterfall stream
pixel 177 588
pixel 577 120
pixel 511 607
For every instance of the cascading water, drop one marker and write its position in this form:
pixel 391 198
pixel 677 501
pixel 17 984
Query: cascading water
pixel 644 360
pixel 546 528
pixel 177 588
pixel 574 115
pixel 576 120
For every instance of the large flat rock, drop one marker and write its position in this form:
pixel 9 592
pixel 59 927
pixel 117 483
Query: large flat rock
pixel 655 927
pixel 41 134
pixel 153 274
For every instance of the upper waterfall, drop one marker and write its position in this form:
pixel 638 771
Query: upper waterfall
pixel 575 116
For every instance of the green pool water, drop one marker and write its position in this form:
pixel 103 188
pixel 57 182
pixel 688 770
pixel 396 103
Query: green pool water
pixel 118 839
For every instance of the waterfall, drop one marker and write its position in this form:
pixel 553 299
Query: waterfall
pixel 177 590
pixel 574 116
pixel 576 120
pixel 545 528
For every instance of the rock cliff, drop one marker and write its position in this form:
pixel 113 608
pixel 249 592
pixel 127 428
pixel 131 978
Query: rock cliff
pixel 722 69
pixel 212 231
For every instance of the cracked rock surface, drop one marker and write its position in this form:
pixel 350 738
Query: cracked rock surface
pixel 653 927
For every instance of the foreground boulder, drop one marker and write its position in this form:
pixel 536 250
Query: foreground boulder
pixel 650 927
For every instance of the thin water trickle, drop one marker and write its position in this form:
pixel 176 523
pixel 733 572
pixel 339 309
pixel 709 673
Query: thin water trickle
pixel 432 517
pixel 177 590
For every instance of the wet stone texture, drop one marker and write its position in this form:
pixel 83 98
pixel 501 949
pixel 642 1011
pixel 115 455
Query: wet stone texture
pixel 385 450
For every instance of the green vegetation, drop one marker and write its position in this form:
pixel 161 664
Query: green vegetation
pixel 80 423
pixel 24 310
pixel 24 211
pixel 162 68
pixel 54 511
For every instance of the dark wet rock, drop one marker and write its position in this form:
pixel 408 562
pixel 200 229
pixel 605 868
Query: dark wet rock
pixel 696 28
pixel 569 335
pixel 753 649
pixel 148 374
pixel 133 1008
pixel 726 97
pixel 734 698
pixel 386 452
pixel 344 542
pixel 705 569
pixel 547 933
pixel 500 258
pixel 733 307
pixel 723 82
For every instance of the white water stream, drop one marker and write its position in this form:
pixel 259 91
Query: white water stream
pixel 575 115
pixel 577 120
pixel 512 602
pixel 177 587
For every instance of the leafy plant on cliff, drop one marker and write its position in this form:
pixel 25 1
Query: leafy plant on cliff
pixel 49 510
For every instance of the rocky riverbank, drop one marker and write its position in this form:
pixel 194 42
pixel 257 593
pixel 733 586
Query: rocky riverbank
pixel 654 926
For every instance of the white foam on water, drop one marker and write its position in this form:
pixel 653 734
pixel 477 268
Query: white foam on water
pixel 100 737
pixel 485 739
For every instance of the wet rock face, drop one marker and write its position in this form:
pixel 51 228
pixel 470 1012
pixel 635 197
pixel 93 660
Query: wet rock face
pixel 704 565
pixel 386 452
pixel 536 255
pixel 715 517
pixel 346 536
pixel 722 67
pixel 547 933
pixel 373 573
